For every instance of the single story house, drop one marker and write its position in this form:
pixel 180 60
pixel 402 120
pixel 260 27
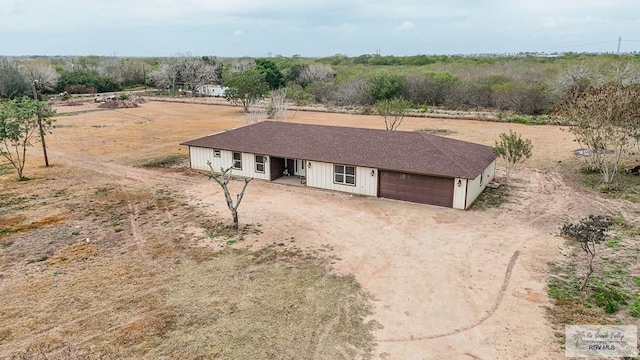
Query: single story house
pixel 401 165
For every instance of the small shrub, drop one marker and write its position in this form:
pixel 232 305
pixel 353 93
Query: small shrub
pixel 608 188
pixel 166 162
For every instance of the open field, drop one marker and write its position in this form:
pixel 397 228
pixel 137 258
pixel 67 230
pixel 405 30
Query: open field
pixel 107 257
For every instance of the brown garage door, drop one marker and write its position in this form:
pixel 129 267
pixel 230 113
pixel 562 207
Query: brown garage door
pixel 416 188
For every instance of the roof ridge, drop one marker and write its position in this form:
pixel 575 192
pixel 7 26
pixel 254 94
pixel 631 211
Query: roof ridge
pixel 445 154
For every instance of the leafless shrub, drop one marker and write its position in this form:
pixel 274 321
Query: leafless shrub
pixel 255 114
pixel 277 108
pixel 315 73
pixel 353 92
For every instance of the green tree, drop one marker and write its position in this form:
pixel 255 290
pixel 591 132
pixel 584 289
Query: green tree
pixel 513 149
pixel 245 88
pixel 385 86
pixel 272 75
pixel 20 120
pixel 589 232
pixel 604 119
pixel 13 83
pixel 42 77
pixel 89 78
pixel 392 111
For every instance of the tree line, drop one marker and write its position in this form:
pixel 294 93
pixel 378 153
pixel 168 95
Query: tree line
pixel 524 85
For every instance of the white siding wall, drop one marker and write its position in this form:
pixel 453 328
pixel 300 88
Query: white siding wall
pixel 320 175
pixel 459 193
pixel 200 156
pixel 474 187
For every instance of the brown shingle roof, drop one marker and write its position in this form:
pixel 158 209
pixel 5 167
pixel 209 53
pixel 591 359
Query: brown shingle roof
pixel 388 150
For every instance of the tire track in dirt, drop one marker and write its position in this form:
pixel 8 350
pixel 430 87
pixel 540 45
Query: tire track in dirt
pixel 494 308
pixel 124 172
pixel 473 356
pixel 133 219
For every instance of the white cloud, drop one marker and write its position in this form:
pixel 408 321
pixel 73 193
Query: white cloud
pixel 406 26
pixel 324 26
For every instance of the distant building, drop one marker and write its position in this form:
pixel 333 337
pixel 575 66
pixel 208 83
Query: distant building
pixel 211 90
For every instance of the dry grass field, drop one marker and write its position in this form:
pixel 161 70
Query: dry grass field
pixel 119 251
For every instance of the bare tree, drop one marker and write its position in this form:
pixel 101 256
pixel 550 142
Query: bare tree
pixel 278 105
pixel 168 75
pixel 255 114
pixel 315 73
pixel 41 77
pixel 393 112
pixel 578 78
pixel 242 65
pixel 223 179
pixel 196 72
pixel 353 92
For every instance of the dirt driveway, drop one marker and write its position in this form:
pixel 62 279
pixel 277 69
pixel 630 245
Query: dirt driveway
pixel 446 284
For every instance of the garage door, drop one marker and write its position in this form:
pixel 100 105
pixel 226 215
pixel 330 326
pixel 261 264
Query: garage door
pixel 416 188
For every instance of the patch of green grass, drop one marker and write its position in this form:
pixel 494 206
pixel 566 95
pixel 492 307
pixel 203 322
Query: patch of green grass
pixel 491 198
pixel 562 288
pixel 525 119
pixel 7 230
pixel 613 243
pixel 606 296
pixel 166 162
pixel 635 308
pixel 5 169
pixel 434 131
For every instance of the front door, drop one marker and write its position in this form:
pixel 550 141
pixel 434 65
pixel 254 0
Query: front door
pixel 299 169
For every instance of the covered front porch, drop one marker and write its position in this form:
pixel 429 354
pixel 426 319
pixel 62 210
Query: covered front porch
pixel 288 171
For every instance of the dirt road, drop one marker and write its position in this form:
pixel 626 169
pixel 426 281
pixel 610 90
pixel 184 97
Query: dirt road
pixel 446 284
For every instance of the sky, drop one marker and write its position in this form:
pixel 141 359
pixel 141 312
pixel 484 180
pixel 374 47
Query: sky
pixel 315 28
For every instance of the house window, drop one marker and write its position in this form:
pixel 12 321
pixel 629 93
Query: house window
pixel 237 161
pixel 260 163
pixel 344 174
pixel 481 177
pixel 216 153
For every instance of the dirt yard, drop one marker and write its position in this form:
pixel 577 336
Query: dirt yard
pixel 444 284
